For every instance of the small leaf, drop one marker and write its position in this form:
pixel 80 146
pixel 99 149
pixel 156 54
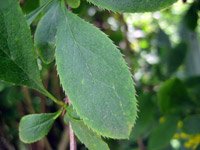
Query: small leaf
pixel 73 3
pixel 18 64
pixel 163 133
pixel 133 5
pixel 33 15
pixel 191 124
pixel 91 140
pixel 45 33
pixel 95 77
pixel 34 127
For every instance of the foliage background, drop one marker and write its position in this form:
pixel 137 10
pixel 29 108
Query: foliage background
pixel 163 52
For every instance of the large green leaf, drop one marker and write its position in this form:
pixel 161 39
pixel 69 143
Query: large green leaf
pixel 91 140
pixel 18 64
pixel 95 77
pixel 34 127
pixel 45 33
pixel 133 5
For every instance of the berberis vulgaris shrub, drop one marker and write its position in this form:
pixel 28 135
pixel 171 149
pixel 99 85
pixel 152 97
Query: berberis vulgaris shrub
pixel 91 69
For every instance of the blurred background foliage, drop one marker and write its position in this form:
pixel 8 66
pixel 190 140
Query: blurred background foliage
pixel 162 50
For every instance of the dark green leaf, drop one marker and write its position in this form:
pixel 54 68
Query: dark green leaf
pixel 34 127
pixel 45 33
pixel 18 64
pixel 163 133
pixel 146 120
pixel 133 5
pixel 95 77
pixel 191 17
pixel 176 57
pixel 29 5
pixel 173 97
pixel 163 45
pixel 191 124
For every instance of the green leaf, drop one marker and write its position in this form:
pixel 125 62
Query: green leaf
pixel 34 127
pixel 133 5
pixel 29 5
pixel 191 124
pixel 191 17
pixel 33 15
pixel 95 77
pixel 146 120
pixel 163 133
pixel 18 64
pixel 173 97
pixel 73 3
pixel 176 57
pixel 45 33
pixel 91 140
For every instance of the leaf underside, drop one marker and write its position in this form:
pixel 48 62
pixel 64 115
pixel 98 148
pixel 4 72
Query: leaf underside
pixel 34 127
pixel 18 64
pixel 95 77
pixel 132 5
pixel 46 32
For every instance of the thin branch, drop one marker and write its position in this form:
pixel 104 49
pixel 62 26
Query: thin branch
pixel 141 145
pixel 72 138
pixel 64 140
pixel 73 145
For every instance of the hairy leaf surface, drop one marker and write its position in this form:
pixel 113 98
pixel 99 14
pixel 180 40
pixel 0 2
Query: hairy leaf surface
pixel 34 127
pixel 18 64
pixel 133 5
pixel 46 32
pixel 95 77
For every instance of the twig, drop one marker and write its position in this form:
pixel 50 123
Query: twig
pixel 72 138
pixel 64 140
pixel 141 144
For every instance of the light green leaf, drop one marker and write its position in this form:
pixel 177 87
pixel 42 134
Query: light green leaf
pixel 95 77
pixel 45 33
pixel 73 3
pixel 18 64
pixel 163 133
pixel 33 15
pixel 34 127
pixel 91 140
pixel 133 5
